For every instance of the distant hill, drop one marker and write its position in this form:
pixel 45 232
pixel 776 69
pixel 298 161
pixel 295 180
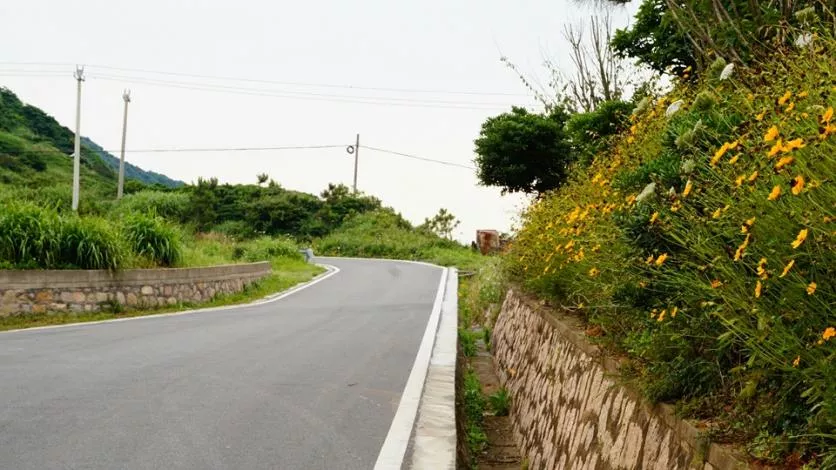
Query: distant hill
pixel 34 150
pixel 131 171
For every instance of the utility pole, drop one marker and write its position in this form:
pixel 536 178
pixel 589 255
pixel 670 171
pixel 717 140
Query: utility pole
pixel 79 76
pixel 126 96
pixel 356 157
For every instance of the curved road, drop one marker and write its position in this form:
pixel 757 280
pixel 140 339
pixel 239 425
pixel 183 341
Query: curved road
pixel 310 381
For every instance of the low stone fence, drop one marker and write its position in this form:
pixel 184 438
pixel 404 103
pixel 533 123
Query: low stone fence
pixel 39 291
pixel 569 411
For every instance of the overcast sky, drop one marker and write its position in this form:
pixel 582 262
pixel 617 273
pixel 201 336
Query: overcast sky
pixel 284 48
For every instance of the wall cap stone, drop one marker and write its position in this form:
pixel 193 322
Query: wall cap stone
pixel 81 278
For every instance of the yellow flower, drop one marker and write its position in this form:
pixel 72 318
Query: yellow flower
pixel 827 115
pixel 784 161
pixel 716 283
pixel 829 332
pixel 803 94
pixel 739 253
pixel 802 235
pixel 751 222
pixel 775 148
pixel 787 268
pixel 649 260
pixel 783 99
pixel 776 192
pixel 739 180
pixel 771 134
pixel 793 144
pixel 593 272
pixel 734 159
pixel 719 154
pixel 790 107
pixel 753 176
pixel 811 288
pixel 661 259
pixel 676 206
pixel 688 186
pixel 758 289
pixel 760 116
pixel 796 361
pixel 733 145
pixel 673 312
pixel 717 214
pixel 762 269
pixel 662 315
pixel 797 185
pixel 654 217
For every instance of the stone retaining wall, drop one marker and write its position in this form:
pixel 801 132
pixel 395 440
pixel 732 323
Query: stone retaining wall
pixel 39 291
pixel 570 413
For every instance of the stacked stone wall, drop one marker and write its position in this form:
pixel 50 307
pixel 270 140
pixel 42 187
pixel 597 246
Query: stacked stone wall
pixel 42 291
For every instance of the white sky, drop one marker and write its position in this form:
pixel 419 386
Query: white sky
pixel 451 45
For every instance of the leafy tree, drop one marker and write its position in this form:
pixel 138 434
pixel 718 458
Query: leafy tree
pixel 521 151
pixel 441 224
pixel 589 131
pixel 204 200
pixel 655 40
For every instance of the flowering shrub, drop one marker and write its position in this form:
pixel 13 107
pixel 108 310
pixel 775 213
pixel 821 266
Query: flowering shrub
pixel 702 246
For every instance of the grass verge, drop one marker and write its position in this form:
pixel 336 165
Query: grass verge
pixel 287 272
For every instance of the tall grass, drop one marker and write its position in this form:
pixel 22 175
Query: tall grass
pixel 152 238
pixel 89 243
pixel 35 237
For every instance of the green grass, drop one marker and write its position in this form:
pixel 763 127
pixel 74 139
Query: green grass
pixel 384 234
pixel 500 402
pixel 474 413
pixel 287 272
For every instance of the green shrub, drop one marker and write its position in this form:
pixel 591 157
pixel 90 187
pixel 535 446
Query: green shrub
pixel 152 238
pixel 237 229
pixel 500 402
pixel 267 248
pixel 588 131
pixel 29 236
pixel 89 243
pixel 173 206
pixel 37 237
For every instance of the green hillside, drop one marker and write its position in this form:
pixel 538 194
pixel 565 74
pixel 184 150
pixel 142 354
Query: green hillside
pixel 131 171
pixel 35 152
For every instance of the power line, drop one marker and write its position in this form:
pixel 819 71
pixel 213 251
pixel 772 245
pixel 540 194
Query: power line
pixel 416 157
pixel 291 93
pixel 231 149
pixel 274 82
pixel 261 149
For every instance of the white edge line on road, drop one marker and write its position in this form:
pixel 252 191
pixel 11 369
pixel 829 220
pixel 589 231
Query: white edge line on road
pixel 332 270
pixel 397 439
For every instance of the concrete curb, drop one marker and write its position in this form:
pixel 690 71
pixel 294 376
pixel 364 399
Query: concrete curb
pixel 434 438
pixel 401 437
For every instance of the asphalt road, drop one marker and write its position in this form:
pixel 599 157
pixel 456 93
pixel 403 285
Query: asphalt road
pixel 311 381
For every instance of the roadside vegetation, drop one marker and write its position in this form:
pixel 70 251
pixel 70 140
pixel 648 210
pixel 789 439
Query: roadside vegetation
pixel 698 236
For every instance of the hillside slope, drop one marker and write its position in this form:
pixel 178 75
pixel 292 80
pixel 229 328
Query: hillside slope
pixel 35 150
pixel 131 171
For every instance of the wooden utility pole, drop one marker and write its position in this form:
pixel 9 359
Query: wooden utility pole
pixel 126 96
pixel 79 76
pixel 356 157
